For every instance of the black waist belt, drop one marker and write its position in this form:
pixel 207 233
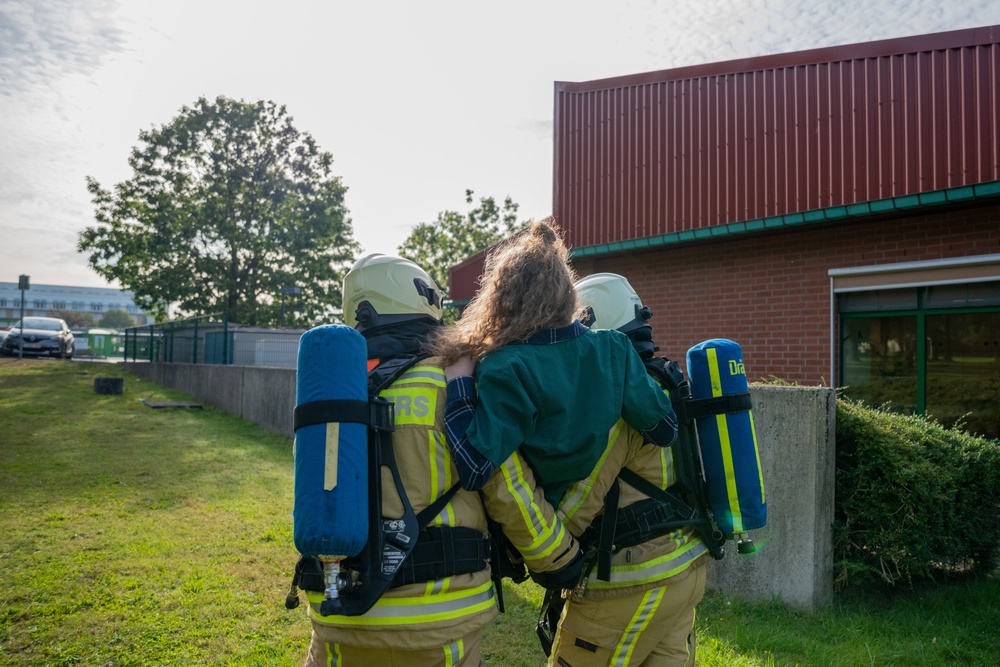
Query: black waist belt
pixel 444 551
pixel 440 552
pixel 640 522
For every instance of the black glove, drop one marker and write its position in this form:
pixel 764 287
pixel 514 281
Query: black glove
pixel 568 576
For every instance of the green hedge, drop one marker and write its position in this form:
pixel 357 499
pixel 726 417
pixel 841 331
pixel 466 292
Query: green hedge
pixel 914 500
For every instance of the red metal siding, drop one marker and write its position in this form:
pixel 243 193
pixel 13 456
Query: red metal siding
pixel 696 147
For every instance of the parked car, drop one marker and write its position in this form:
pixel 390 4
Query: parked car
pixel 42 336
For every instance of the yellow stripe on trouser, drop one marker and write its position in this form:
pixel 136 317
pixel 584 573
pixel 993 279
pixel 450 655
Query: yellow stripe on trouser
pixel 413 610
pixel 333 655
pixel 650 601
pixel 727 448
pixel 453 653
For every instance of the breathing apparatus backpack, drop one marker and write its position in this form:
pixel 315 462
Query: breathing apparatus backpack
pixel 719 490
pixel 343 441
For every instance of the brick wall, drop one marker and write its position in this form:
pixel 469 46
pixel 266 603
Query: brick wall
pixel 771 293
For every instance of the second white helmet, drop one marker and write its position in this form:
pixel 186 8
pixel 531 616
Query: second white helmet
pixel 611 303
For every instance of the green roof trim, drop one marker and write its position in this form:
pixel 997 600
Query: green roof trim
pixel 987 189
pixel 959 194
pixel 860 210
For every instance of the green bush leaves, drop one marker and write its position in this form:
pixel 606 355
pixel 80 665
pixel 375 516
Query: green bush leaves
pixel 914 500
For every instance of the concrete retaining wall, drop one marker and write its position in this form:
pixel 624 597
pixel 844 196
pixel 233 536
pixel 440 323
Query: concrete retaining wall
pixel 794 560
pixel 795 430
pixel 265 396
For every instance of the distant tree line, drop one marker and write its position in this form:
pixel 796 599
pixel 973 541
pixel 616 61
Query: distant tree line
pixel 113 318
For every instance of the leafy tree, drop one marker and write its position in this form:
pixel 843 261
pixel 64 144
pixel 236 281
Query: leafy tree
pixel 438 246
pixel 74 319
pixel 227 204
pixel 116 318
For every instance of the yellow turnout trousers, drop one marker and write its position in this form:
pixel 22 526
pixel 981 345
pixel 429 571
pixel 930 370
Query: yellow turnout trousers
pixel 651 628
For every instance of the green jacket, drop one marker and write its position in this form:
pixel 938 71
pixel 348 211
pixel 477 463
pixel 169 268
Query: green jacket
pixel 557 396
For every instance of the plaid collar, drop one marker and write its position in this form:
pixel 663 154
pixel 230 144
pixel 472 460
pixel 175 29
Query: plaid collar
pixel 557 334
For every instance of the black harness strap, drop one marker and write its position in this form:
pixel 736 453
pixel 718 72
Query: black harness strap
pixel 717 405
pixel 677 506
pixel 426 514
pixel 664 511
pixel 376 413
pixel 606 543
pixel 389 370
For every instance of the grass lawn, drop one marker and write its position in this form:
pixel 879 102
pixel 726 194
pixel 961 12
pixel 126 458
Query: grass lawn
pixel 139 536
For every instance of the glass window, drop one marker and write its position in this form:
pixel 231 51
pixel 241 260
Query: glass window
pixel 952 375
pixel 879 357
pixel 885 299
pixel 963 370
pixel 959 296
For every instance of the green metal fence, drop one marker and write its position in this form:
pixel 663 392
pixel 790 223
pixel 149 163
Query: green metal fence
pixel 212 339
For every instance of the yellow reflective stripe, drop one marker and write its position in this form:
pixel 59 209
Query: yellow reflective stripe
pixel 545 537
pixel 643 615
pixel 727 447
pixel 414 610
pixel 437 586
pixel 756 451
pixel 666 466
pixel 453 653
pixel 426 374
pixel 667 565
pixel 577 493
pixel 333 655
pixel 441 477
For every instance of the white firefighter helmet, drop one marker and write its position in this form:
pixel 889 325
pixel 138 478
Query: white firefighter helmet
pixel 611 303
pixel 383 289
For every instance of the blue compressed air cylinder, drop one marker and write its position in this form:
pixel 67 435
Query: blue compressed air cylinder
pixel 331 460
pixel 728 441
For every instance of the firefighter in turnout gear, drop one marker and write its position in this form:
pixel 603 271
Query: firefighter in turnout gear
pixel 640 609
pixel 435 609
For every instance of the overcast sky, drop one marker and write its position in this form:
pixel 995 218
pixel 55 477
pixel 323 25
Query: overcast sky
pixel 416 101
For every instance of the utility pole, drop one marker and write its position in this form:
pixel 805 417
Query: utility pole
pixel 23 284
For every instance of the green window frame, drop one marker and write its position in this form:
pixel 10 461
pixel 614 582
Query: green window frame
pixel 960 377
